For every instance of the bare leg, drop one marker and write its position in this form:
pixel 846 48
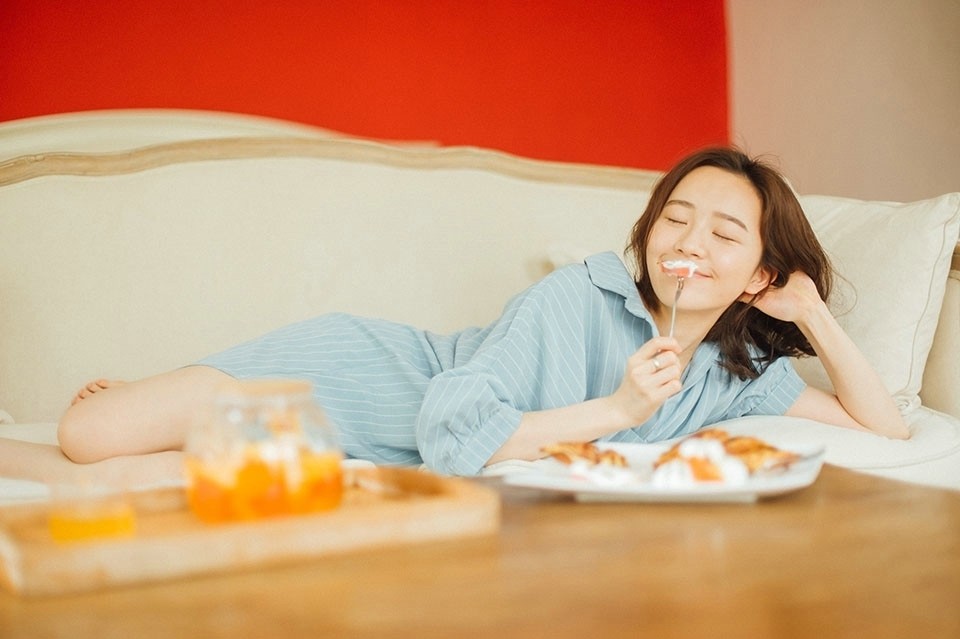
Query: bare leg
pixel 46 463
pixel 147 416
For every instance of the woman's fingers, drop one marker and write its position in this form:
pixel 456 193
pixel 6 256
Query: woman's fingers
pixel 651 370
pixel 659 354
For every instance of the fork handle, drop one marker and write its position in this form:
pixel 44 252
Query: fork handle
pixel 673 310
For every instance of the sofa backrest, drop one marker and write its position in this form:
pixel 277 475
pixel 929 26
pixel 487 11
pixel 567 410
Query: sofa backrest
pixel 116 130
pixel 131 243
pixel 128 263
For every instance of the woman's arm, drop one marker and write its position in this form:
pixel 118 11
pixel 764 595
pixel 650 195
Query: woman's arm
pixel 861 401
pixel 646 385
pixel 525 385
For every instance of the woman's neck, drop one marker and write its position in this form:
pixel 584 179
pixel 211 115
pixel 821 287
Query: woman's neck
pixel 690 329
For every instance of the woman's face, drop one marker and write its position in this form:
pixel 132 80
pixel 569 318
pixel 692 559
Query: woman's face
pixel 711 218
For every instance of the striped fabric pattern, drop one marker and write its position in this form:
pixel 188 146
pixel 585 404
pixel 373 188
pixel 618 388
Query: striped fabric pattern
pixel 399 395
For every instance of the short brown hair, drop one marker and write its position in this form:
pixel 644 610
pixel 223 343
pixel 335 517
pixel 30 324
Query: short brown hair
pixel 749 340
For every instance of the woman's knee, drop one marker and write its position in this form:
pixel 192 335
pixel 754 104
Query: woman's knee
pixel 147 416
pixel 77 435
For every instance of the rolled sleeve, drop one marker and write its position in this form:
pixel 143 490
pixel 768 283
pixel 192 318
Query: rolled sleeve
pixel 533 358
pixel 465 419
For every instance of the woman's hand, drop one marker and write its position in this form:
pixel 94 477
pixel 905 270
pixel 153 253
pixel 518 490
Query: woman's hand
pixel 652 375
pixel 792 302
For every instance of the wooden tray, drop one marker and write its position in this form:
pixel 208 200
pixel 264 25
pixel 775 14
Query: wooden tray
pixel 385 506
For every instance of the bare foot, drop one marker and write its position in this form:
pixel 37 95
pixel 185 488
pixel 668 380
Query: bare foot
pixel 95 386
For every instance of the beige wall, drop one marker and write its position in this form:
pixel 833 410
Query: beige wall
pixel 859 98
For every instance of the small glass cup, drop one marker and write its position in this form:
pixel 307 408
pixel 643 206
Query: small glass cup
pixel 266 450
pixel 88 509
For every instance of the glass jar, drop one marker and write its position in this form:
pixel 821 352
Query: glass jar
pixel 266 450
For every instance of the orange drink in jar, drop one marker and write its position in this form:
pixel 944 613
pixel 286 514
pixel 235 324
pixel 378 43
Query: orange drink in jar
pixel 267 451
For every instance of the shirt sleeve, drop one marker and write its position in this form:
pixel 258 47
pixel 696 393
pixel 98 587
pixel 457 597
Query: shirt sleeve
pixel 531 358
pixel 774 392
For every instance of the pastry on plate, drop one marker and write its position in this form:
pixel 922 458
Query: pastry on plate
pixel 713 455
pixel 586 453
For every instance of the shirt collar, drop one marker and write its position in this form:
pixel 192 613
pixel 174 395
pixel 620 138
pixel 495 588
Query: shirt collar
pixel 608 272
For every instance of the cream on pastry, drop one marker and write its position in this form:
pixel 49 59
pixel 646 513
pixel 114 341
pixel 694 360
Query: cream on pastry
pixel 678 268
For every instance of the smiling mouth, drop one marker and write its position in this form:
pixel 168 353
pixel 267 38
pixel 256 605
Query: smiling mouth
pixel 698 274
pixel 679 268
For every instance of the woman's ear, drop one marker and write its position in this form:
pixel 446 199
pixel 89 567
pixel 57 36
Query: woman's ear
pixel 761 279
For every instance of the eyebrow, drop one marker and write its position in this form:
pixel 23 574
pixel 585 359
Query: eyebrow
pixel 720 214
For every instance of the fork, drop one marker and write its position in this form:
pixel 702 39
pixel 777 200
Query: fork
pixel 673 311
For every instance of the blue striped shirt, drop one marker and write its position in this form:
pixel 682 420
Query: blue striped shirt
pixel 400 395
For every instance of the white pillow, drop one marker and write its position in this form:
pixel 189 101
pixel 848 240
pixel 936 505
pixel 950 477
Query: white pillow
pixel 894 260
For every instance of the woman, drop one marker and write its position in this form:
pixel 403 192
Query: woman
pixel 583 354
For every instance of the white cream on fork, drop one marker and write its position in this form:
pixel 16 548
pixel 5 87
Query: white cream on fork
pixel 680 269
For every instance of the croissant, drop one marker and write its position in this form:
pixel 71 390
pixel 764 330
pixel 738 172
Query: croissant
pixel 588 452
pixel 754 453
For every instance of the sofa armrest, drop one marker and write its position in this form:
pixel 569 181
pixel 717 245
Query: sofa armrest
pixel 941 378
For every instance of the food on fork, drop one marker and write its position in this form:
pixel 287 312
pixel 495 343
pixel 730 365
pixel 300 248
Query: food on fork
pixel 584 453
pixel 681 269
pixel 678 268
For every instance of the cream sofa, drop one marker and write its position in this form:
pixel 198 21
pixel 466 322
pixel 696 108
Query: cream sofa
pixel 132 242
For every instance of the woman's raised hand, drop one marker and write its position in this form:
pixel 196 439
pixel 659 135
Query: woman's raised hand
pixel 792 302
pixel 652 375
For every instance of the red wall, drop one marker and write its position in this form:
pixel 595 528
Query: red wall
pixel 627 82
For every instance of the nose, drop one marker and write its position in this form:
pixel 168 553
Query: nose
pixel 690 242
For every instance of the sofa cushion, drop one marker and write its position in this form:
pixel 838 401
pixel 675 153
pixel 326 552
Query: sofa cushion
pixel 933 436
pixel 893 260
pixel 931 456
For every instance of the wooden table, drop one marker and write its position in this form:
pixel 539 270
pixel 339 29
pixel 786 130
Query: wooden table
pixel 853 555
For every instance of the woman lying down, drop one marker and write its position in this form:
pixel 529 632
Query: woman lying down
pixel 591 352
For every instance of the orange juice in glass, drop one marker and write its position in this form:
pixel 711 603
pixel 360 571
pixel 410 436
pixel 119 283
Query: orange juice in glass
pixel 85 510
pixel 266 450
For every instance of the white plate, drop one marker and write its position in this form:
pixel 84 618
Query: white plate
pixel 634 484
